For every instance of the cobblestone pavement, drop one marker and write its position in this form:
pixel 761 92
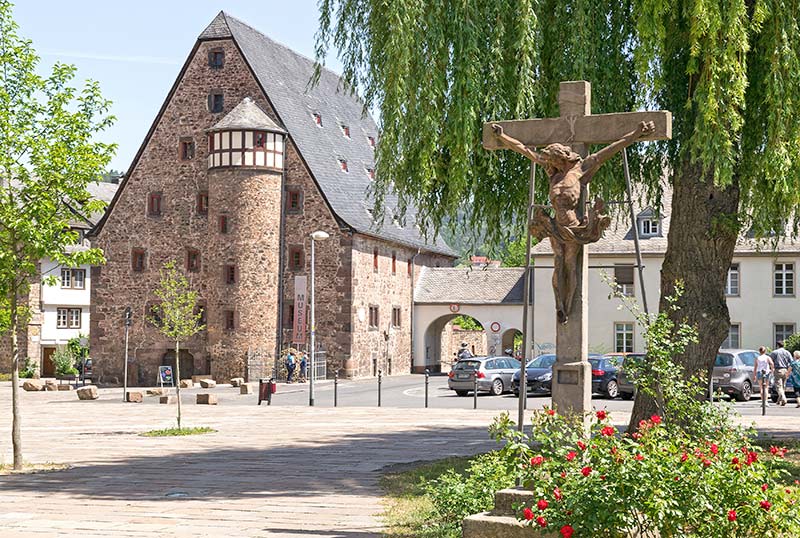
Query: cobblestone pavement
pixel 289 471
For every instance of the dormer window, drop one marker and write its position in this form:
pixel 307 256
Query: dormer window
pixel 370 173
pixel 371 141
pixel 345 131
pixel 343 165
pixel 649 227
pixel 317 118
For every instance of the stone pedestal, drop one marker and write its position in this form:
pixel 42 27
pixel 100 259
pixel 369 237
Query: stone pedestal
pixel 134 397
pixel 207 399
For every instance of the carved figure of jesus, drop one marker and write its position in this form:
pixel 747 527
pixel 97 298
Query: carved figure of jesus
pixel 569 174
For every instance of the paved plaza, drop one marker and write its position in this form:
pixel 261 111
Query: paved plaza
pixel 284 470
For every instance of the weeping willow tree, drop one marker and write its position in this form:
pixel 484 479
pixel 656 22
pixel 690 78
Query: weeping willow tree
pixel 727 69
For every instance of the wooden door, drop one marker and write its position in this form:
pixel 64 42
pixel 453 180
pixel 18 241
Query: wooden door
pixel 48 368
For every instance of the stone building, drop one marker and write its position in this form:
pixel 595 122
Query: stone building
pixel 242 163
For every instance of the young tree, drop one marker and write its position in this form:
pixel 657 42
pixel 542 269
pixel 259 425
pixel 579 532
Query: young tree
pixel 728 70
pixel 48 156
pixel 176 315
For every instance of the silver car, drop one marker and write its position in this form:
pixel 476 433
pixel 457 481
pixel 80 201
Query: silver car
pixel 733 373
pixel 493 375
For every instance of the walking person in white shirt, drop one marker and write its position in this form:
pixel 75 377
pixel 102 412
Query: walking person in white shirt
pixel 762 370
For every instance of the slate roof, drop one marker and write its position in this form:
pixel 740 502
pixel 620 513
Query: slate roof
pixel 247 115
pixel 284 76
pixel 467 285
pixel 99 191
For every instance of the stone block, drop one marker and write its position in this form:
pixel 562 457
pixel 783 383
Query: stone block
pixel 51 386
pixel 187 383
pixel 197 378
pixel 171 399
pixel 208 383
pixel 33 385
pixel 207 399
pixel 64 386
pixel 505 499
pixel 156 392
pixel 237 381
pixel 89 392
pixel 134 397
pixel 246 389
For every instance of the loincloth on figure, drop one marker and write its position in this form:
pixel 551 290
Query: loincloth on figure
pixel 590 230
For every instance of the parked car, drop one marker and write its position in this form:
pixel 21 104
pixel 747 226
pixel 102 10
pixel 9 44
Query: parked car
pixel 538 374
pixel 614 374
pixel 733 373
pixel 493 374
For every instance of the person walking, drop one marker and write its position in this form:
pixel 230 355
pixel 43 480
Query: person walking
pixel 303 366
pixel 290 365
pixel 781 360
pixel 762 369
pixel 794 375
pixel 464 352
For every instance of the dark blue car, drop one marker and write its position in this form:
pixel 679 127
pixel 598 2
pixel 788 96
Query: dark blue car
pixel 605 374
pixel 539 375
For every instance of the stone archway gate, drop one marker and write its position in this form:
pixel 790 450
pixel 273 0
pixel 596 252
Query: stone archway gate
pixel 491 295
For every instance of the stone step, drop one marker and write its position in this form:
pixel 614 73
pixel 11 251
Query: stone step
pixel 486 525
pixel 505 499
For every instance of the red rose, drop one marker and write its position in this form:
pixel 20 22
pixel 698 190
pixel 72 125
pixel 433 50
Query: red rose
pixel 558 496
pixel 656 419
pixel 714 449
pixel 527 513
pixel 542 504
pixel 735 460
pixel 566 531
pixel 586 471
pixel 731 515
pixel 752 457
pixel 636 435
pixel 551 412
pixel 684 457
pixel 638 457
pixel 537 460
pixel 581 445
pixel 766 505
pixel 542 522
pixel 602 415
pixel 608 431
pixel 563 474
pixel 571 455
pixel 706 463
pixel 788 491
pixel 764 487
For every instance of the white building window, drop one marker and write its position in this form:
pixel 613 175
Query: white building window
pixel 66 278
pixel 623 337
pixel 63 314
pixel 733 341
pixel 784 279
pixel 74 318
pixel 73 278
pixel 649 227
pixel 732 283
pixel 623 275
pixel 68 318
pixel 783 331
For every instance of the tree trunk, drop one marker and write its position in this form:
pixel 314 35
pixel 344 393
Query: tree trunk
pixel 177 378
pixel 16 419
pixel 702 237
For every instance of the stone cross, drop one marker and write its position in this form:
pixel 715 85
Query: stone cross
pixel 570 168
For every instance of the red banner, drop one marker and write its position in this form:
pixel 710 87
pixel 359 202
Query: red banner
pixel 300 305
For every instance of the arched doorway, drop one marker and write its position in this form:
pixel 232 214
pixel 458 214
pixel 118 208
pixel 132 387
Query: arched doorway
pixel 512 339
pixel 187 362
pixel 444 338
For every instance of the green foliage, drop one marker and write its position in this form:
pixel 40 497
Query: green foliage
pixel 64 362
pixel 176 315
pixel 177 432
pixel 467 323
pixel 29 370
pixel 514 254
pixel 792 343
pixel 78 351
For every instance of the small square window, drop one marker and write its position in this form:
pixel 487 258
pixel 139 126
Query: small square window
pixel 187 149
pixel 317 118
pixel 649 227
pixel 66 278
pixel 230 320
pixel 623 275
pixel 62 321
pixel 138 260
pixel 733 341
pixel 345 131
pixel 154 203
pixel 374 319
pixel 78 279
pixel 623 337
pixel 343 165
pixel 192 260
pixel 294 201
pixel 230 274
pixel 216 102
pixel 74 318
pixel 216 59
pixel 202 203
pixel 261 140
pixel 296 258
pixel 223 224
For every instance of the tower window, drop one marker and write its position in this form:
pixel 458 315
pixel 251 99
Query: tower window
pixel 202 203
pixel 186 149
pixel 216 102
pixel 296 258
pixel 216 59
pixel 154 204
pixel 138 260
pixel 294 201
pixel 230 274
pixel 223 224
pixel 230 320
pixel 192 260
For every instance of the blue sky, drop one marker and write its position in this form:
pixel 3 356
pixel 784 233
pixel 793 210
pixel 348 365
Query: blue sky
pixel 135 49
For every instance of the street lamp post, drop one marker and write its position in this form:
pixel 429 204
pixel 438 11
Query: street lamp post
pixel 128 323
pixel 319 235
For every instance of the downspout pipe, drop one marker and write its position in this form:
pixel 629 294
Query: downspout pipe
pixel 413 287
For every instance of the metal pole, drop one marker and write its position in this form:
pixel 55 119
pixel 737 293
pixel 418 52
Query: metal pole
pixel 639 265
pixel 764 392
pixel 475 389
pixel 127 318
pixel 380 380
pixel 313 332
pixel 427 378
pixel 527 336
pixel 336 388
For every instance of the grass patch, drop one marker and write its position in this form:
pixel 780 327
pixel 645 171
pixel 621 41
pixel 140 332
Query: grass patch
pixel 175 432
pixel 5 377
pixel 407 508
pixel 32 468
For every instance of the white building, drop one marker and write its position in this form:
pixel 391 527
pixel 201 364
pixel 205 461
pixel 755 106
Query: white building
pixel 762 295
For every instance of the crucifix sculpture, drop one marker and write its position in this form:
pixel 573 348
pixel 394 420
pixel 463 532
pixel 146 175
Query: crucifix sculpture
pixel 565 141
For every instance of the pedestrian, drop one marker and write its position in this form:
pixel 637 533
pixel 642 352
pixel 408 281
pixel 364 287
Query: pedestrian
pixel 762 369
pixel 464 352
pixel 794 374
pixel 781 360
pixel 303 366
pixel 290 365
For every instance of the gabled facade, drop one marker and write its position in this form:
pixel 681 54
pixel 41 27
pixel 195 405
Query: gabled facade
pixel 241 165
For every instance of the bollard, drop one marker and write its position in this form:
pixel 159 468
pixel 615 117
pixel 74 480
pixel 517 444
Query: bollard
pixel 380 379
pixel 336 388
pixel 764 392
pixel 427 378
pixel 475 390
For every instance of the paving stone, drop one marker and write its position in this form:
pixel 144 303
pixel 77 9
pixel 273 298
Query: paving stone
pixel 207 399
